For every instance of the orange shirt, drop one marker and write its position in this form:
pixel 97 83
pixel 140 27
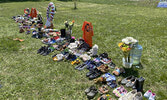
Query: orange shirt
pixel 87 29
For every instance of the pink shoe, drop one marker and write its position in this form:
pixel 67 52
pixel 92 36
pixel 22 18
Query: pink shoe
pixel 122 91
pixel 117 89
pixel 147 94
pixel 152 96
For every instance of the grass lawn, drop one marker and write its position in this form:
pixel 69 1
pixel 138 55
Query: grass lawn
pixel 25 75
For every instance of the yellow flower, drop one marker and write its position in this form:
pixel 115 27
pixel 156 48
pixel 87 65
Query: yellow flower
pixel 107 95
pixel 124 49
pixel 120 44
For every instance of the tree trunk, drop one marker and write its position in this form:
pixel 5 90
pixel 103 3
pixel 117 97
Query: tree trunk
pixel 75 4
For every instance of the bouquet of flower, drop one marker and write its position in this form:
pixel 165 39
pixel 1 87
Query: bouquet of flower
pixel 125 46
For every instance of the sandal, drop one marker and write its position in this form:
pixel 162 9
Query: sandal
pixel 103 89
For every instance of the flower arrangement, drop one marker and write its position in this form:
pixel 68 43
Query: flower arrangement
pixel 125 46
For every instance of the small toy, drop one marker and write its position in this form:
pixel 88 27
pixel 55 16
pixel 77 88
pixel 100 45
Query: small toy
pixel 77 61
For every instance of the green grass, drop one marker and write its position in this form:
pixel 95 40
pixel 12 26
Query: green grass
pixel 27 75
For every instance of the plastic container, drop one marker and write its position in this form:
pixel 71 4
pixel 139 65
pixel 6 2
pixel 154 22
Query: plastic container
pixel 127 64
pixel 136 53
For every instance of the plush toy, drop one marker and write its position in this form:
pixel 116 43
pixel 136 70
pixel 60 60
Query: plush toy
pixel 93 51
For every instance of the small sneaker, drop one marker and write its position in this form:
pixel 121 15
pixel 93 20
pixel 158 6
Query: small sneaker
pixel 138 96
pixel 130 95
pixel 152 96
pixel 147 94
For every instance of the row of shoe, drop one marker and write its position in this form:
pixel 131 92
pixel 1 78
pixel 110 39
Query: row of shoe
pixel 95 63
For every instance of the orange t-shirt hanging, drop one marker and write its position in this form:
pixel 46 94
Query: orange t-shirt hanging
pixel 87 29
pixel 33 13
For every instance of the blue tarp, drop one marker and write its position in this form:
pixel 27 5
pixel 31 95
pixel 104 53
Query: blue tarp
pixel 162 4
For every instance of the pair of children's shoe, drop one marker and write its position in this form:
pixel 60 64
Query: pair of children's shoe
pixel 120 91
pixel 103 68
pixel 85 57
pixel 118 71
pixel 82 66
pixel 103 89
pixel 45 50
pixel 110 80
pixel 58 57
pixel 132 95
pixel 91 92
pixel 94 73
pixel 129 81
pixel 150 95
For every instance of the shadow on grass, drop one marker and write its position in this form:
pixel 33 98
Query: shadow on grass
pixel 133 71
pixel 130 71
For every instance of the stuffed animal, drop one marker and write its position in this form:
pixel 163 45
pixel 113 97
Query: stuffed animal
pixel 93 51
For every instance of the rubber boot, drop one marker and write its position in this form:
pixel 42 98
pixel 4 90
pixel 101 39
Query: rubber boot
pixel 139 84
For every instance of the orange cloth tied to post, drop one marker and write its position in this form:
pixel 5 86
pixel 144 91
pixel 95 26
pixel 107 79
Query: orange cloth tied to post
pixel 87 29
pixel 33 12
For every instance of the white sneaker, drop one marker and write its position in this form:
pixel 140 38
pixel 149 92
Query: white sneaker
pixel 152 96
pixel 129 95
pixel 138 96
pixel 147 94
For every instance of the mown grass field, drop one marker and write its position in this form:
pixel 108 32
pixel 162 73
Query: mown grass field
pixel 25 75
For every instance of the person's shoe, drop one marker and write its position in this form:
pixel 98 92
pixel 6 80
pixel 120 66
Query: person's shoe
pixel 92 93
pixel 103 97
pixel 47 52
pixel 81 67
pixel 131 83
pixel 43 50
pixel 152 96
pixel 111 65
pixel 120 92
pixel 89 73
pixel 89 89
pixel 103 89
pixel 140 83
pixel 117 89
pixel 40 50
pixel 127 79
pixel 147 94
pixel 96 74
pixel 138 96
pixel 129 96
